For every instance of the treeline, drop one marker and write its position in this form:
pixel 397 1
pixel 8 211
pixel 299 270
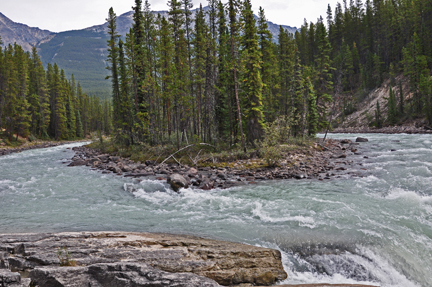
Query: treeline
pixel 43 103
pixel 374 41
pixel 217 76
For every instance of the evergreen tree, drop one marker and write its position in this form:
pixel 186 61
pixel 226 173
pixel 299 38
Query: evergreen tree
pixel 269 73
pixel 113 60
pixel 251 77
pixel 391 108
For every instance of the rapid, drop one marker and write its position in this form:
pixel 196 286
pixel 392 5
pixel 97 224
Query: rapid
pixel 373 229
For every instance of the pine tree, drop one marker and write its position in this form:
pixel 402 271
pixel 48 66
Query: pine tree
pixel 113 60
pixel 251 77
pixel 234 36
pixel 391 108
pixel 268 71
pixel 142 116
pixel 79 125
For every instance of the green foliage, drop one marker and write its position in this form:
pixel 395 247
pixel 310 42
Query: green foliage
pixel 65 258
pixel 392 115
pixel 38 103
pixel 275 134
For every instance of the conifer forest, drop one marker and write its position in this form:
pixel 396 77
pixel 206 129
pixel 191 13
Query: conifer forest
pixel 219 76
pixel 41 103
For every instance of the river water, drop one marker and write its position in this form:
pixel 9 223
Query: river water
pixel 374 229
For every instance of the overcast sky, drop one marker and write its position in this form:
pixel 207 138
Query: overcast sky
pixel 63 15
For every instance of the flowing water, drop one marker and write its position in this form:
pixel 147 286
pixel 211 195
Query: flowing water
pixel 375 229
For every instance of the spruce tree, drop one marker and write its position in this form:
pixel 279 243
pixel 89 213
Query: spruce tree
pixel 391 108
pixel 269 72
pixel 113 60
pixel 233 25
pixel 251 77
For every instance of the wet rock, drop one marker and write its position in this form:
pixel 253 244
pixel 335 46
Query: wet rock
pixel 177 181
pixel 361 140
pixel 105 257
pixel 79 162
pixel 300 176
pixel 206 184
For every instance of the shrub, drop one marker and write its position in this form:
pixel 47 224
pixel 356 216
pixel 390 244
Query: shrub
pixel 65 257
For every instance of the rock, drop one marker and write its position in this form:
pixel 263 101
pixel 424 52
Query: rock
pixel 8 278
pixel 177 181
pixel 206 184
pixel 150 162
pixel 361 140
pixel 192 171
pixel 300 176
pixel 346 141
pixel 79 162
pixel 104 256
pixel 115 274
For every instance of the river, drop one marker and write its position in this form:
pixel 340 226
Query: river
pixel 375 229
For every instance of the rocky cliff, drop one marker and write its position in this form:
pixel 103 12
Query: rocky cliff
pixel 23 35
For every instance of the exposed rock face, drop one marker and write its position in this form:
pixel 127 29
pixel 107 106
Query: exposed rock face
pixel 136 255
pixel 23 35
pixel 177 181
pixel 115 274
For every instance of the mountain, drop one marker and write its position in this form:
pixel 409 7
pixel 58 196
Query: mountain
pixel 82 53
pixel 23 35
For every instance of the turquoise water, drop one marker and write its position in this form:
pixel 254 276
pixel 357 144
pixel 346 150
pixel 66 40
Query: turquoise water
pixel 375 229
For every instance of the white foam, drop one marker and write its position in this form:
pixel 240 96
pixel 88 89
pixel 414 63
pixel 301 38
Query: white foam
pixel 303 221
pixel 373 265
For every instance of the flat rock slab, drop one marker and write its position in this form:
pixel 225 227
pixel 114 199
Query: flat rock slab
pixel 113 275
pixel 226 263
pixel 328 285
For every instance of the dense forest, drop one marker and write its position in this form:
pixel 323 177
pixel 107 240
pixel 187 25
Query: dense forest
pixel 221 77
pixel 39 103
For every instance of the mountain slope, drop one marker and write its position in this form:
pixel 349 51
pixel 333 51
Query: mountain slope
pixel 23 35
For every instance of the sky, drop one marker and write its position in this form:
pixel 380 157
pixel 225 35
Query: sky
pixel 63 15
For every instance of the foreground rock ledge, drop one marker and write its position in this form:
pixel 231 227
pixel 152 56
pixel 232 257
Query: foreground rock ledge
pixel 135 259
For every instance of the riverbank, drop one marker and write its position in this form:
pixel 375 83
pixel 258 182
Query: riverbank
pixel 320 162
pixel 35 145
pixel 385 130
pixel 138 259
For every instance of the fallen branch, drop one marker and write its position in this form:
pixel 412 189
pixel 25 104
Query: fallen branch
pixel 186 147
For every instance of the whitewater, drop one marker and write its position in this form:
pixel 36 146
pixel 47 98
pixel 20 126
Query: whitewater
pixel 374 229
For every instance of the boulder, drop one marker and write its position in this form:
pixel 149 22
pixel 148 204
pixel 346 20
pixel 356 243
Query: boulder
pixel 361 140
pixel 79 162
pixel 8 278
pixel 177 181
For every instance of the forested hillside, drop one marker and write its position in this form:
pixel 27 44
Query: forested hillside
pixel 372 42
pixel 44 104
pixel 226 79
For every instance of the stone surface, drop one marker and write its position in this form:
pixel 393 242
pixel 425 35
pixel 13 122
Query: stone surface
pixel 177 181
pixel 227 263
pixel 113 275
pixel 361 140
